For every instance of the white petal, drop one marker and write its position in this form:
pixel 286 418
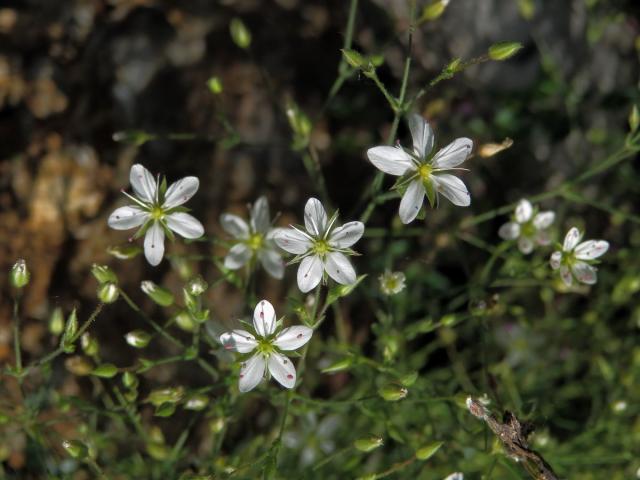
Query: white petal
pixel 455 476
pixel 260 221
pixel 185 225
pixel 543 237
pixel 453 154
pixel 293 337
pixel 554 261
pixel 124 218
pixel 251 373
pixel 452 188
pixel 585 273
pixel 543 220
pixel 411 202
pixel 309 273
pixel 421 134
pixel 291 240
pixel 143 183
pixel 565 275
pixel 237 257
pixel 264 318
pixel 524 210
pixel 239 341
pixel 181 191
pixel 234 225
pixel 391 160
pixel 346 235
pixel 315 217
pixel 154 244
pixel 509 231
pixel 272 262
pixel 339 268
pixel 591 249
pixel 525 245
pixel 571 240
pixel 282 370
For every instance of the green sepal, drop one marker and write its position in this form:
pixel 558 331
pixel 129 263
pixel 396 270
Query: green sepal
pixel 430 191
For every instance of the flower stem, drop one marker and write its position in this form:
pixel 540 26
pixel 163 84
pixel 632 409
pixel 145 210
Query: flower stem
pixel 16 336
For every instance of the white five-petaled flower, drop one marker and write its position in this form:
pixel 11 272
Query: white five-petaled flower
pixel 157 211
pixel 575 258
pixel 423 172
pixel 528 227
pixel 267 346
pixel 255 240
pixel 322 247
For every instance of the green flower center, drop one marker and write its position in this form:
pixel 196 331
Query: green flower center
pixel 264 347
pixel 321 247
pixel 255 241
pixel 425 171
pixel 528 230
pixel 157 213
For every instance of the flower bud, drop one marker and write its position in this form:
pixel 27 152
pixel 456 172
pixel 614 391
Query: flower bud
pixel 216 424
pixel 166 395
pixel 106 370
pixel 240 34
pixel 215 85
pixel 138 338
pixel 56 322
pixel 353 58
pixel 78 365
pixel 184 321
pixel 634 119
pixel 124 252
pixel 75 449
pixel 503 50
pixel 368 444
pixel 130 380
pixel 196 286
pixel 108 292
pixel 103 274
pixel 190 301
pixel 196 402
pixel 70 330
pixel 433 10
pixel 428 451
pixel 19 275
pixel 89 344
pixel 201 316
pixel 392 392
pixel 160 295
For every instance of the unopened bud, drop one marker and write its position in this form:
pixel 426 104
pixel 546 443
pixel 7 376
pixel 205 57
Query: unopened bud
pixel 56 322
pixel 504 50
pixel 138 338
pixel 215 85
pixel 353 58
pixel 106 370
pixel 368 444
pixel 196 402
pixel 108 292
pixel 160 295
pixel 392 392
pixel 433 10
pixel 103 274
pixel 166 395
pixel 184 321
pixel 196 286
pixel 75 449
pixel 89 344
pixel 130 380
pixel 19 275
pixel 634 119
pixel 124 252
pixel 240 34
pixel 78 365
pixel 70 330
pixel 428 451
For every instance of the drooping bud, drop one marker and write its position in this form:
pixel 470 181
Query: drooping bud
pixel 160 295
pixel 504 50
pixel 56 322
pixel 215 85
pixel 392 392
pixel 108 292
pixel 75 448
pixel 138 338
pixel 368 444
pixel 240 34
pixel 19 275
pixel 103 274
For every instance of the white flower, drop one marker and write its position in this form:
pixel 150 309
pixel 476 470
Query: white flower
pixel 157 211
pixel 575 259
pixel 322 247
pixel 455 476
pixel 424 173
pixel 528 227
pixel 255 240
pixel 267 346
pixel 391 282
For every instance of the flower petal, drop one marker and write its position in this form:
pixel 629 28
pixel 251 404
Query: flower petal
pixel 260 221
pixel 185 225
pixel 453 154
pixel 237 257
pixel 571 239
pixel 346 235
pixel 234 225
pixel 543 237
pixel 124 218
pixel 411 202
pixel 239 341
pixel 455 476
pixel 154 244
pixel 293 337
pixel 339 268
pixel 509 231
pixel 282 370
pixel 291 240
pixel 421 134
pixel 525 245
pixel 584 273
pixel 264 318
pixel 565 275
pixel 591 249
pixel 251 373
pixel 543 220
pixel 554 261
pixel 143 183
pixel 272 262
pixel 391 160
pixel 315 217
pixel 524 210
pixel 309 273
pixel 181 191
pixel 452 188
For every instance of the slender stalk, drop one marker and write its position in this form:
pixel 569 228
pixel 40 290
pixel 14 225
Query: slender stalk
pixel 16 336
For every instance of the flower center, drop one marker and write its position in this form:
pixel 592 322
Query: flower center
pixel 264 347
pixel 528 230
pixel 157 213
pixel 425 171
pixel 321 247
pixel 255 241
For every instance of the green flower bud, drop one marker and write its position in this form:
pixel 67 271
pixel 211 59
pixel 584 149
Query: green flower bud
pixel 503 50
pixel 392 392
pixel 56 322
pixel 428 451
pixel 339 366
pixel 89 344
pixel 196 402
pixel 196 286
pixel 368 444
pixel 75 449
pixel 138 338
pixel 215 85
pixel 166 395
pixel 103 274
pixel 130 380
pixel 201 316
pixel 634 119
pixel 70 330
pixel 108 292
pixel 78 365
pixel 353 58
pixel 160 295
pixel 184 321
pixel 216 425
pixel 409 379
pixel 240 34
pixel 19 275
pixel 106 370
pixel 165 410
pixel 124 252
pixel 433 10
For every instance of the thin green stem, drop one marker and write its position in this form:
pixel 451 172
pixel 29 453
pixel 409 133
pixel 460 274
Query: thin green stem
pixel 16 336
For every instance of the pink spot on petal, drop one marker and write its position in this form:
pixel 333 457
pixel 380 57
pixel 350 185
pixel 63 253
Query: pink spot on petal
pixel 289 376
